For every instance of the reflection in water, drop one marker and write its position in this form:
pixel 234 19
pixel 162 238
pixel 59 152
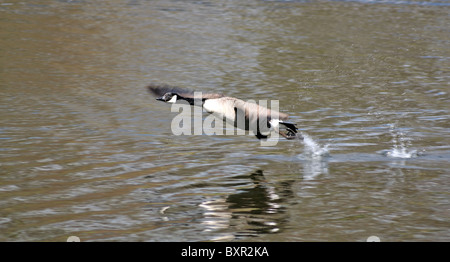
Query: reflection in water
pixel 314 167
pixel 216 214
pixel 249 212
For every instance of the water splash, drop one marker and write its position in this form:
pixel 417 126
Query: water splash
pixel 314 157
pixel 400 145
pixel 313 149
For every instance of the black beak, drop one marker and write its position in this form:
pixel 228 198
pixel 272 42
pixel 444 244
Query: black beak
pixel 160 99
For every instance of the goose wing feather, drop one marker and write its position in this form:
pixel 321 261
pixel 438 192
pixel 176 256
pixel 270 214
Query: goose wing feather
pixel 161 89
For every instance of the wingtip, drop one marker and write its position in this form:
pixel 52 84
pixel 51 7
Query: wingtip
pixel 153 88
pixel 158 89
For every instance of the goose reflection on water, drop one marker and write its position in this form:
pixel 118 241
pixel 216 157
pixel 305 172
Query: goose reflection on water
pixel 249 212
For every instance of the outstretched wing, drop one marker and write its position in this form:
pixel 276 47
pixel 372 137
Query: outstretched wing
pixel 161 89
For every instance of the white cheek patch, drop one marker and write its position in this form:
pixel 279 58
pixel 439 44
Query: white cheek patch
pixel 173 99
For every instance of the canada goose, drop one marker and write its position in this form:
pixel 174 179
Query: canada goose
pixel 231 109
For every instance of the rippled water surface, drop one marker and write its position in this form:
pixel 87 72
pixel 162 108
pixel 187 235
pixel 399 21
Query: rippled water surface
pixel 85 151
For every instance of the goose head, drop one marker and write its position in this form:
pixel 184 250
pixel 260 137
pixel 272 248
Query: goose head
pixel 169 97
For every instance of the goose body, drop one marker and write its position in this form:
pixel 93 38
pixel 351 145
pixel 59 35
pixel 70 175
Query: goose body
pixel 221 107
pixel 241 114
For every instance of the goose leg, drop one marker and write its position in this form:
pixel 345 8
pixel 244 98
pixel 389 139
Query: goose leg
pixel 289 137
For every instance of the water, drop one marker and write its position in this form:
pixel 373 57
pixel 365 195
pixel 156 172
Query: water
pixel 85 151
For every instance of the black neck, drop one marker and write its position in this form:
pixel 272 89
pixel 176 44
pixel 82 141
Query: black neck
pixel 193 101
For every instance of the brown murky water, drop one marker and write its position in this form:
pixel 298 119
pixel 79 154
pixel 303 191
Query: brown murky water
pixel 85 151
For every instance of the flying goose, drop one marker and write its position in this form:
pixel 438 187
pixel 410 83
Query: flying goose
pixel 231 109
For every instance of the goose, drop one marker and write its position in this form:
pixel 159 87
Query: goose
pixel 230 109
